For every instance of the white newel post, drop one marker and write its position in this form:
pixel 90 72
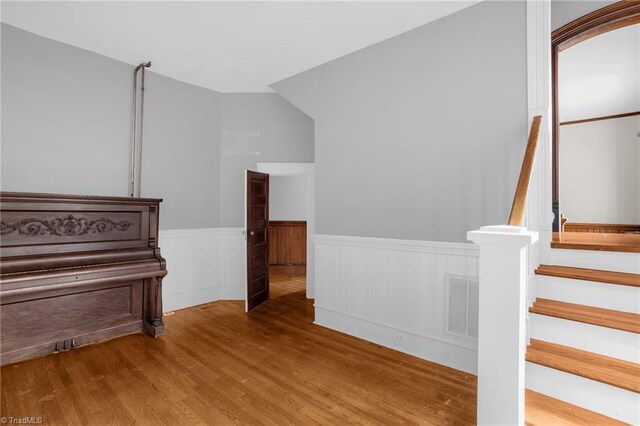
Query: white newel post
pixel 502 329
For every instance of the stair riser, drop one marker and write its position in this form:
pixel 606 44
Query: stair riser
pixel 589 293
pixel 600 340
pixel 607 261
pixel 595 396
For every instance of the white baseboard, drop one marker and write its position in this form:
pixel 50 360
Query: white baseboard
pixel 204 265
pixel 396 293
pixel 453 356
pixel 236 292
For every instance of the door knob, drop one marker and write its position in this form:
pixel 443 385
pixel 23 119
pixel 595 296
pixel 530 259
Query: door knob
pixel 251 233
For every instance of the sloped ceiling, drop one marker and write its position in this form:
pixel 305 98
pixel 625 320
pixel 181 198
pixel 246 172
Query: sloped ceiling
pixel 225 46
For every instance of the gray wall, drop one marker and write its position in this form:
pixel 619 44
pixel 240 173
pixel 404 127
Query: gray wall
pixel 599 175
pixel 420 136
pixel 288 198
pixel 565 11
pixel 66 129
pixel 257 128
pixel 182 152
pixel 65 117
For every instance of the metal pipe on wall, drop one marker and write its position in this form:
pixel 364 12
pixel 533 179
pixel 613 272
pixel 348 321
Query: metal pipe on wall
pixel 134 122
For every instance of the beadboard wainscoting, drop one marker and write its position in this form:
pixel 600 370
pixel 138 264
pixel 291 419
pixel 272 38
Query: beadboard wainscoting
pixel 418 297
pixel 204 265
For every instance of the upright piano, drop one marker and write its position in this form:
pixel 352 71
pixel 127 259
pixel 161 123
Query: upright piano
pixel 76 270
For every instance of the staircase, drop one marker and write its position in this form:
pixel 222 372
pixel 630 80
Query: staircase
pixel 583 360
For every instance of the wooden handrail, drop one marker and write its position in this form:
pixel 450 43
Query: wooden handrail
pixel 516 218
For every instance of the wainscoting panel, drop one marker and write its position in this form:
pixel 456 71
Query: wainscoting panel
pixel 418 297
pixel 204 265
pixel 288 246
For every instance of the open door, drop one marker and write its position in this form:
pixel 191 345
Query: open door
pixel 257 222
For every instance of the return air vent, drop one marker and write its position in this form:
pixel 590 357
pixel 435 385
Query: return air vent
pixel 462 318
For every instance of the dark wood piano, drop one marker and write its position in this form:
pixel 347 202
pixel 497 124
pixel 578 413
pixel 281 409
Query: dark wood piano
pixel 76 270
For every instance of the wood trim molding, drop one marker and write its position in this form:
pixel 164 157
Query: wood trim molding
pixel 287 223
pixel 604 117
pixel 609 228
pixel 287 269
pixel 609 18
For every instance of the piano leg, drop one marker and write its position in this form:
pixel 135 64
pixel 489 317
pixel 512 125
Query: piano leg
pixel 154 325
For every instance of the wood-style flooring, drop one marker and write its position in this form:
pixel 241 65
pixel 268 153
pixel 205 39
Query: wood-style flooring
pixel 217 365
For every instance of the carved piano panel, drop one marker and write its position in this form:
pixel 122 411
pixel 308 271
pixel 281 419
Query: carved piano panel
pixel 75 270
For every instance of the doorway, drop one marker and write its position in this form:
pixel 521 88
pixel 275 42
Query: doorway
pixel 596 130
pixel 292 220
pixel 288 225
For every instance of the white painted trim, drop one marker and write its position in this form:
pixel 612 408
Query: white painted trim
pixel 204 265
pixel 502 322
pixel 232 293
pixel 607 260
pixel 624 298
pixel 394 293
pixel 464 249
pixel 446 353
pixel 308 170
pixel 539 209
pixel 539 216
pixel 605 341
pixel 618 403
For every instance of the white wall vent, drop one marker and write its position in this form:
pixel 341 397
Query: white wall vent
pixel 462 309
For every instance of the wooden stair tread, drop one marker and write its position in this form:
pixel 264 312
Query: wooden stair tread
pixel 604 369
pixel 629 243
pixel 542 410
pixel 625 321
pixel 610 277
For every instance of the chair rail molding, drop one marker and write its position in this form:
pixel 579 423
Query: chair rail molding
pixel 308 170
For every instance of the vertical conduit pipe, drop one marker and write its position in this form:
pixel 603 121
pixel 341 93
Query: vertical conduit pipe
pixel 134 122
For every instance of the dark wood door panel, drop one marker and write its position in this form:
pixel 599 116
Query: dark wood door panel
pixel 257 239
pixel 259 236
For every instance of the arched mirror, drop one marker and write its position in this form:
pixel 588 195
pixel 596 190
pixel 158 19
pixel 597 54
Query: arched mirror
pixel 596 129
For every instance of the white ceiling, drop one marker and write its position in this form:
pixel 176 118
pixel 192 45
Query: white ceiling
pixel 225 46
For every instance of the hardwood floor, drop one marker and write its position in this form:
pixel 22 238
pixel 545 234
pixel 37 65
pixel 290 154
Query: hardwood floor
pixel 218 365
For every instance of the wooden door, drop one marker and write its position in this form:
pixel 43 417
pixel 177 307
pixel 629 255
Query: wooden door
pixel 257 238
